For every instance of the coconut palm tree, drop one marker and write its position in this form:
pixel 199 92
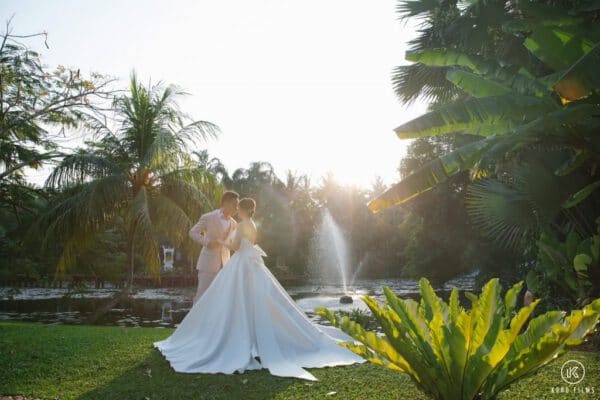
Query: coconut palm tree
pixel 139 176
pixel 213 165
pixel 260 175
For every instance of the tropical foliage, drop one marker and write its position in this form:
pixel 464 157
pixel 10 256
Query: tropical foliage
pixel 514 131
pixel 37 106
pixel 20 206
pixel 76 238
pixel 439 240
pixel 138 178
pixel 289 210
pixel 530 105
pixel 567 272
pixel 454 353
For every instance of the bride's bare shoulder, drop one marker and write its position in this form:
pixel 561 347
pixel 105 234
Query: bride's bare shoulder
pixel 247 226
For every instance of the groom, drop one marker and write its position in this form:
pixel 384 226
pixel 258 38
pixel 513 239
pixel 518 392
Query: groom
pixel 210 229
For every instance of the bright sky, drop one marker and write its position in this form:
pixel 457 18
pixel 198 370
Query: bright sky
pixel 304 84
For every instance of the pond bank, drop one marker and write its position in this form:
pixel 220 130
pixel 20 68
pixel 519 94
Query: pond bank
pixel 167 306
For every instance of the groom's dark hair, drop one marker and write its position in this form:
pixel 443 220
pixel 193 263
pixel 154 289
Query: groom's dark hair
pixel 228 196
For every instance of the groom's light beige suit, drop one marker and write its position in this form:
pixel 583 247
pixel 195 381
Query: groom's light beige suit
pixel 211 226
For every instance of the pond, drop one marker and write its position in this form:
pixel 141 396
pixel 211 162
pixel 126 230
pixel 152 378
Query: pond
pixel 167 307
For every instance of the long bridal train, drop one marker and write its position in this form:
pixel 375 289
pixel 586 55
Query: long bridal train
pixel 246 320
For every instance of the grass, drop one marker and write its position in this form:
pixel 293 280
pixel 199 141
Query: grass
pixel 94 362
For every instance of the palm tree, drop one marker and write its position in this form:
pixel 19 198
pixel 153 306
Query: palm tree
pixel 213 165
pixel 295 185
pixel 140 176
pixel 258 176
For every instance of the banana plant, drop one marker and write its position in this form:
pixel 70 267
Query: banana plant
pixel 555 106
pixel 452 353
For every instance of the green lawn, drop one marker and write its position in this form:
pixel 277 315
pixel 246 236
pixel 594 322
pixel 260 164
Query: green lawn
pixel 90 362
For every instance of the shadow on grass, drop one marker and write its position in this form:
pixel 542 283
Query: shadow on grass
pixel 153 378
pixel 88 362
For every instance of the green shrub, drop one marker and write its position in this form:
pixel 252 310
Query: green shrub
pixel 454 353
pixel 567 272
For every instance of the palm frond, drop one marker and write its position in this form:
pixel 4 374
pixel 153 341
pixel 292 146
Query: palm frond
pixel 77 168
pixel 199 130
pixel 72 248
pixel 170 218
pixel 529 199
pixel 411 82
pixel 415 8
pixel 81 213
pixel 194 190
pixel 164 153
pixel 501 212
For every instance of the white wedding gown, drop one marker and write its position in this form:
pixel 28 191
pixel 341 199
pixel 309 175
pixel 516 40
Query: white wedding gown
pixel 246 313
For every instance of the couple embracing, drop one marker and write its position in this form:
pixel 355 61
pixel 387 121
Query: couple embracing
pixel 242 318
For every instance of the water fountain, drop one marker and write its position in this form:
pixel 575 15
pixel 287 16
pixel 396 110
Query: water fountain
pixel 330 254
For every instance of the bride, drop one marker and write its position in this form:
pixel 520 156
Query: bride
pixel 246 320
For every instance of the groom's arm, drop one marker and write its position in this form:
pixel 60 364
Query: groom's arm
pixel 237 238
pixel 198 230
pixel 233 244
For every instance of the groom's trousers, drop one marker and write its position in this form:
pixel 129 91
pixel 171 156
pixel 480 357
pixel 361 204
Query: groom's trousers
pixel 205 278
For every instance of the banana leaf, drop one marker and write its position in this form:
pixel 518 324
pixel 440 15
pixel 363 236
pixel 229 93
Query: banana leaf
pixel 432 173
pixel 558 47
pixel 449 58
pixel 475 85
pixel 581 79
pixel 581 195
pixel 538 14
pixel 518 79
pixel 484 116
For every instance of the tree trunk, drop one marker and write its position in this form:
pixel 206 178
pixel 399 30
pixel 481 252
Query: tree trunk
pixel 110 303
pixel 131 264
pixel 131 254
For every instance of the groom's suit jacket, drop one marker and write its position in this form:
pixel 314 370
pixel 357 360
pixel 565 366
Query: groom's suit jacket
pixel 212 226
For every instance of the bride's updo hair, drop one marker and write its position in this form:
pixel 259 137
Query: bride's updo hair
pixel 248 205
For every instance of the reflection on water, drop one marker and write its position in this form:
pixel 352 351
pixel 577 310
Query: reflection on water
pixel 167 307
